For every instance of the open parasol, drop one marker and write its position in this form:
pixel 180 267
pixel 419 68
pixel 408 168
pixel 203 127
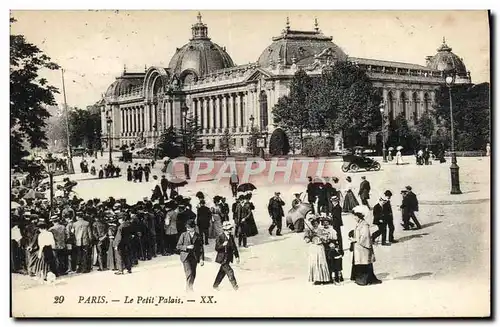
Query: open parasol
pixel 399 147
pixel 245 187
pixel 391 148
pixel 298 213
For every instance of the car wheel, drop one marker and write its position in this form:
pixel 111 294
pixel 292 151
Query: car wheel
pixel 345 168
pixel 376 166
pixel 354 168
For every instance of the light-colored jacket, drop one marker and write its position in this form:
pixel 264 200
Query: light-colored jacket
pixel 363 248
pixel 171 222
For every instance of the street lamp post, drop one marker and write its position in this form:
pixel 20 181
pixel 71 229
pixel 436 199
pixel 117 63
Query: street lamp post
pixel 184 110
pixel 454 168
pixel 154 140
pixel 50 163
pixel 382 112
pixel 108 122
pixel 254 145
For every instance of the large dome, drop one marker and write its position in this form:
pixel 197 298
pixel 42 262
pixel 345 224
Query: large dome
pixel 446 60
pixel 299 47
pixel 200 56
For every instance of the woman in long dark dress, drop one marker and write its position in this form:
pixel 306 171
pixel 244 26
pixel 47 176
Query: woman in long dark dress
pixel 250 221
pixel 363 255
pixel 350 200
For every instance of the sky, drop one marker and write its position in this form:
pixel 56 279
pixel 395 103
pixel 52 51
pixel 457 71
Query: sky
pixel 94 46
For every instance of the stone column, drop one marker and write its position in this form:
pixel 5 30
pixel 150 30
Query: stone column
pixel 216 112
pixel 210 113
pixel 230 112
pixel 224 112
pixel 243 108
pixel 121 121
pixel 237 110
pixel 204 110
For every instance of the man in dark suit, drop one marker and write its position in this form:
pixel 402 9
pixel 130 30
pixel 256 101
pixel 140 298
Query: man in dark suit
pixel 164 186
pixel 83 241
pixel 388 216
pixel 122 244
pixel 190 245
pixel 226 251
pixel 337 222
pixel 364 191
pixel 234 181
pixel 100 232
pixel 204 216
pixel 413 206
pixel 311 193
pixel 379 220
pixel 275 209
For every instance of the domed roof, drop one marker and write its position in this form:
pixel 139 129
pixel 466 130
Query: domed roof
pixel 447 60
pixel 299 47
pixel 200 56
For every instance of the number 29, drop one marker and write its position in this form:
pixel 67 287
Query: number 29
pixel 58 299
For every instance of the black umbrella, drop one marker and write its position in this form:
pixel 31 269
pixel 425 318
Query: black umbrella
pixel 245 187
pixel 177 184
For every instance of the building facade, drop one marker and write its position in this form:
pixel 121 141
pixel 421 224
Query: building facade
pixel 202 81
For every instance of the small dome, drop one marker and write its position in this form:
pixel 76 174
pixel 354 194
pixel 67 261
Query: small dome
pixel 446 60
pixel 200 56
pixel 299 47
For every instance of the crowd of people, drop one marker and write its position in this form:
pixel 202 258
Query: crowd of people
pixel 77 236
pixel 323 230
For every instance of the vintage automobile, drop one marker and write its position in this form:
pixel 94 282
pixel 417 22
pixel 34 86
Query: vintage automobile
pixel 356 159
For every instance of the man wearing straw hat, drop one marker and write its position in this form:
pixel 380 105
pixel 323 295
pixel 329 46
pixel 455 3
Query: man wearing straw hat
pixel 226 251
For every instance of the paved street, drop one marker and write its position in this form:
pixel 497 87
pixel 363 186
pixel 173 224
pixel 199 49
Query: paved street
pixel 434 271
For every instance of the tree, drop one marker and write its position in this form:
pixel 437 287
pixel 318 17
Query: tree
pixel 425 127
pixel 471 114
pixel 347 100
pixel 400 134
pixel 226 143
pixel 168 144
pixel 29 95
pixel 252 141
pixel 290 112
pixel 191 142
pixel 85 128
pixel 278 143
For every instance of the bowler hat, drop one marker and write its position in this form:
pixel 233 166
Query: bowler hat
pixel 191 224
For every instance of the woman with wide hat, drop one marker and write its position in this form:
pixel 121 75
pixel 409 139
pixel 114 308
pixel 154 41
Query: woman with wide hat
pixel 363 255
pixel 350 200
pixel 318 264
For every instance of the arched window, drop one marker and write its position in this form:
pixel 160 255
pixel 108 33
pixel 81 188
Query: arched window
pixel 404 103
pixel 416 104
pixel 427 102
pixel 390 102
pixel 264 121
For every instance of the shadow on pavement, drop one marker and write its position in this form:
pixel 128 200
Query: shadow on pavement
pixel 431 224
pixel 410 237
pixel 382 275
pixel 414 276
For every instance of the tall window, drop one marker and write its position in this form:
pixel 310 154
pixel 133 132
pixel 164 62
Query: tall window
pixel 416 103
pixel 264 121
pixel 404 103
pixel 390 100
pixel 427 102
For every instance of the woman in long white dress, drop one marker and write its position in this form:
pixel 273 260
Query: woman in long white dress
pixel 399 158
pixel 318 266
